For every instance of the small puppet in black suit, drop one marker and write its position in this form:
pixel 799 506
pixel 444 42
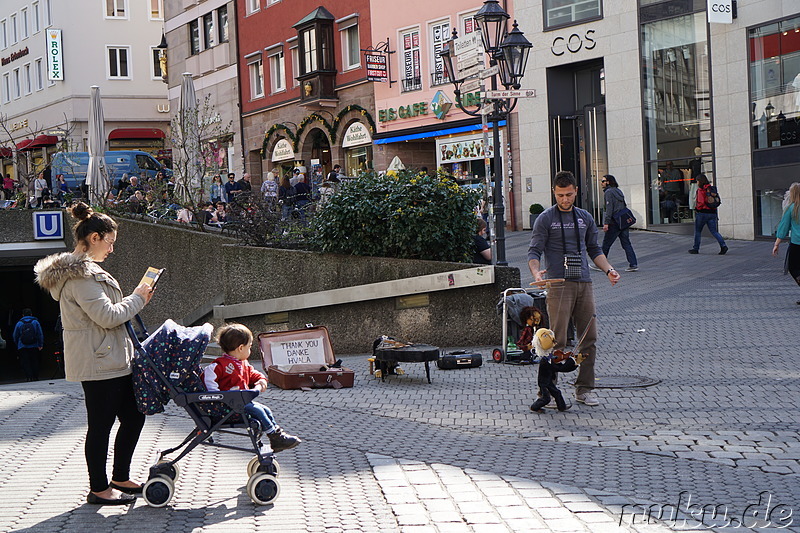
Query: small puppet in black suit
pixel 544 341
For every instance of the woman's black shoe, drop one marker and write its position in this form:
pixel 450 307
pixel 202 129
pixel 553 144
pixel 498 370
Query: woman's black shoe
pixel 124 499
pixel 137 491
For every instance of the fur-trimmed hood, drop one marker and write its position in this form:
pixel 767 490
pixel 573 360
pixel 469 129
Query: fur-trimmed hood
pixel 55 270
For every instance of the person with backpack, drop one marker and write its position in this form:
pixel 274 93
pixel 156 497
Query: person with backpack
pixel 708 201
pixel 29 339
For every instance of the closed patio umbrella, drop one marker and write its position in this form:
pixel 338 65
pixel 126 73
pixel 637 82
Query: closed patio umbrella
pixel 396 164
pixel 190 132
pixel 96 179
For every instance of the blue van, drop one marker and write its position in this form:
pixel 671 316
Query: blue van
pixel 74 165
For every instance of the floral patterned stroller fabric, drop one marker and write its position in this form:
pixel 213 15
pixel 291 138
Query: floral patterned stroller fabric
pixel 176 351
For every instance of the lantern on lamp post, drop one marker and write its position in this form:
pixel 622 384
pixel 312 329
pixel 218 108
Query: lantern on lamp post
pixel 509 52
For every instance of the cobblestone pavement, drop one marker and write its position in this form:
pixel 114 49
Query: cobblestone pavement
pixel 719 431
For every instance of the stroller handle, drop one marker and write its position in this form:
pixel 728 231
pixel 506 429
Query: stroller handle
pixel 137 344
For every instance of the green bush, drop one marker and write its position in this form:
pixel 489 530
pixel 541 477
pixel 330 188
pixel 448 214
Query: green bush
pixel 536 209
pixel 402 214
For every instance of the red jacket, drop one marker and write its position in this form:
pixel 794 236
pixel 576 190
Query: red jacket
pixel 228 373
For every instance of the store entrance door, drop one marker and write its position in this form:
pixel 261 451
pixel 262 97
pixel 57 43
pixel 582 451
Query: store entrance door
pixel 579 144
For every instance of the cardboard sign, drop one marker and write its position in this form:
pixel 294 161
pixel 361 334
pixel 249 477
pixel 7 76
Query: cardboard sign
pixel 299 351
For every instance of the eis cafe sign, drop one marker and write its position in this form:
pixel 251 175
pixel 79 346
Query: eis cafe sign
pixel 55 61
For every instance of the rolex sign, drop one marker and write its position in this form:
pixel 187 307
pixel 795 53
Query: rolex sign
pixel 55 61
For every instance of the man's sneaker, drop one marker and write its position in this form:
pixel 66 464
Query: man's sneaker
pixel 594 267
pixel 632 269
pixel 279 440
pixel 693 251
pixel 587 398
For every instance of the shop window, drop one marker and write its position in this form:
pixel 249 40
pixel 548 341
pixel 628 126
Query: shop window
pixel 559 13
pixel 118 62
pixel 775 84
pixel 194 37
pixel 351 48
pixel 357 160
pixel 277 72
pixel 209 36
pixel 677 113
pixel 410 67
pixel 256 78
pixel 222 22
pixel 116 9
pixel 440 34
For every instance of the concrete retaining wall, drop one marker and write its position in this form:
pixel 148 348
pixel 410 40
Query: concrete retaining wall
pixel 205 269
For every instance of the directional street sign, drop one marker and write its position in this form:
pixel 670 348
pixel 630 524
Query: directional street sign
pixel 474 70
pixel 489 72
pixel 470 86
pixel 466 61
pixel 519 93
pixel 467 43
pixel 486 110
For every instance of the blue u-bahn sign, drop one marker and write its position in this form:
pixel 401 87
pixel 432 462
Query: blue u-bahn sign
pixel 48 225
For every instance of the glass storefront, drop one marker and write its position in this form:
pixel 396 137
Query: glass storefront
pixel 775 84
pixel 677 114
pixel 357 160
pixel 775 106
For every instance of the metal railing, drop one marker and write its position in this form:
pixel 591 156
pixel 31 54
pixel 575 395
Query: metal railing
pixel 411 84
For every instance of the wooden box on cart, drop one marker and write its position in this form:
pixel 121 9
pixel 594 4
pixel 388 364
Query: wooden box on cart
pixel 301 359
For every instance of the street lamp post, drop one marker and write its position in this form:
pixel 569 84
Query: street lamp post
pixel 509 52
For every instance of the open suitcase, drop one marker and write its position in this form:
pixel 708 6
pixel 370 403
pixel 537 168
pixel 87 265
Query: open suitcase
pixel 302 359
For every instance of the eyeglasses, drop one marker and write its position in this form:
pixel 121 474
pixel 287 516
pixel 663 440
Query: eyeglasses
pixel 603 181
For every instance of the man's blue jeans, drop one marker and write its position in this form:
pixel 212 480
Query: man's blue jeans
pixel 263 414
pixel 624 239
pixel 700 220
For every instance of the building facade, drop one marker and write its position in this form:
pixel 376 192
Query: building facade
pixel 419 120
pixel 50 61
pixel 305 99
pixel 201 40
pixel 655 94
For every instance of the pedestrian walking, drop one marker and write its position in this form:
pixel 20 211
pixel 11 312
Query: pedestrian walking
pixel 790 225
pixel 706 214
pixel 566 236
pixel 615 202
pixel 40 187
pixel 97 350
pixel 269 190
pixel 29 339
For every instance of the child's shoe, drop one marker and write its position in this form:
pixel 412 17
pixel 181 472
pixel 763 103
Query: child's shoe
pixel 279 440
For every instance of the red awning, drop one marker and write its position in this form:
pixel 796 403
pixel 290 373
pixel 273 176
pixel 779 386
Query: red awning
pixel 24 144
pixel 136 133
pixel 42 140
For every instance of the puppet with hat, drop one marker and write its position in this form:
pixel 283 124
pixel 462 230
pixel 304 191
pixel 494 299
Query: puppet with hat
pixel 550 363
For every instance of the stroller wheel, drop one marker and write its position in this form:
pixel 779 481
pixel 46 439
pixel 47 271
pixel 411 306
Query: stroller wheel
pixel 172 472
pixel 263 488
pixel 497 355
pixel 254 466
pixel 158 491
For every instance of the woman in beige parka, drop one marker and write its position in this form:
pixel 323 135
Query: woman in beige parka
pixel 97 350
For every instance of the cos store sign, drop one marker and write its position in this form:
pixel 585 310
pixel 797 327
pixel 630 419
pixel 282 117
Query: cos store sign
pixel 573 44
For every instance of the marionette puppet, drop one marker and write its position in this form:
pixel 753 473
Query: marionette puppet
pixel 550 363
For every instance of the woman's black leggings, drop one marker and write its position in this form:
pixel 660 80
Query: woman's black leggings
pixel 794 261
pixel 107 400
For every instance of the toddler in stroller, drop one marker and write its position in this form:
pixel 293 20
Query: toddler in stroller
pixel 167 367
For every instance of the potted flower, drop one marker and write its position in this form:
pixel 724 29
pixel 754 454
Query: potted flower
pixel 535 210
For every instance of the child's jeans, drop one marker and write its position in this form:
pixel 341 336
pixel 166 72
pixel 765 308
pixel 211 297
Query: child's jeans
pixel 263 415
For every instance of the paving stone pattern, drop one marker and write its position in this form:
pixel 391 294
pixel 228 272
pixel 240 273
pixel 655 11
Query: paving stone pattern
pixel 464 453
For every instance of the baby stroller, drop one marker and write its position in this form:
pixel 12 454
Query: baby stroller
pixel 513 301
pixel 167 367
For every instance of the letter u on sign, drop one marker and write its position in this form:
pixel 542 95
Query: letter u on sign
pixel 48 225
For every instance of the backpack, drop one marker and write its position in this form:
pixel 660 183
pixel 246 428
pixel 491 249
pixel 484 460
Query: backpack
pixel 713 200
pixel 27 334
